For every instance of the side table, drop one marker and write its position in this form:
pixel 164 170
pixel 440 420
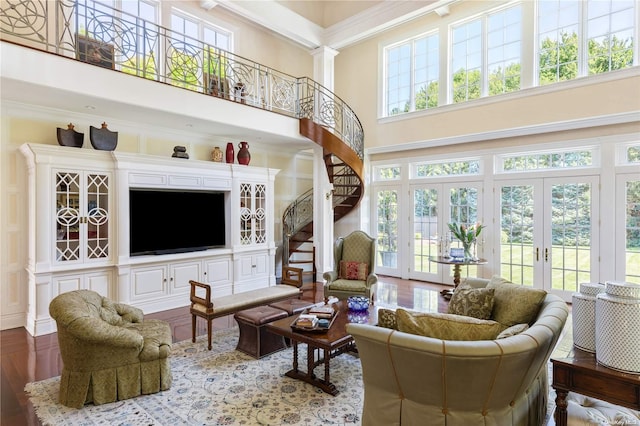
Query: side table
pixel 457 264
pixel 581 373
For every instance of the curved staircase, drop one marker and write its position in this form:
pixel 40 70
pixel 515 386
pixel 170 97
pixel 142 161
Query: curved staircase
pixel 345 171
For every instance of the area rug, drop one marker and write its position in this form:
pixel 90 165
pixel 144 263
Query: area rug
pixel 220 387
pixel 226 387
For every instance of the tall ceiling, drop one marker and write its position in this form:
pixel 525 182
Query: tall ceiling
pixel 330 23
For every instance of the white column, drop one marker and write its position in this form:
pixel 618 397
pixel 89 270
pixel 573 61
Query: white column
pixel 323 67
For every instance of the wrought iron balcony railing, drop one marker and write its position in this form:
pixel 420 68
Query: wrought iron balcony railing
pixel 111 38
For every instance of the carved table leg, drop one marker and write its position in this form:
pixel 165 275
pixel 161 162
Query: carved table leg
pixel 295 356
pixel 560 414
pixel 327 357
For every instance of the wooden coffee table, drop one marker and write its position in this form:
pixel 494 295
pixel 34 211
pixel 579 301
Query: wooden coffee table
pixel 325 345
pixel 581 373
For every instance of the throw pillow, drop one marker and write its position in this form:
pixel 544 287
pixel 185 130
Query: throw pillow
pixel 513 330
pixel 387 319
pixel 447 326
pixel 353 270
pixel 472 302
pixel 514 304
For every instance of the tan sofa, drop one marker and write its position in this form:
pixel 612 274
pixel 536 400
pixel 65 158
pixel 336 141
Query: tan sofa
pixel 415 380
pixel 109 352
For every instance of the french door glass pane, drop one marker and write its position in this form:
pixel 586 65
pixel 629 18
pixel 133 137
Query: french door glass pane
pixel 387 229
pixel 632 264
pixel 425 232
pixel 570 235
pixel 517 227
pixel 463 205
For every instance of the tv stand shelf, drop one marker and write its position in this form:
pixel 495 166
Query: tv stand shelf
pixel 81 204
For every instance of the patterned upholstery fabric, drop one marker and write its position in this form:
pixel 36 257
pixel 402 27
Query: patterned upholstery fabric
pixel 586 411
pixel 515 304
pixel 447 326
pixel 109 353
pixel 356 247
pixel 387 319
pixel 353 270
pixel 512 331
pixel 472 302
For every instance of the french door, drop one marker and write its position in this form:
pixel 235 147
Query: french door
pixel 549 232
pixel 434 206
pixel 388 236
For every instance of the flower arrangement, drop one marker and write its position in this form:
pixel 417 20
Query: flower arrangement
pixel 467 235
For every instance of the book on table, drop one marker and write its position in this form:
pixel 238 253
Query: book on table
pixel 322 311
pixel 307 320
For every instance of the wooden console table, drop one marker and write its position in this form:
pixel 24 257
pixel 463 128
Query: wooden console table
pixel 581 373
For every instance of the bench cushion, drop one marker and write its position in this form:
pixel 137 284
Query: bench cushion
pixel 262 296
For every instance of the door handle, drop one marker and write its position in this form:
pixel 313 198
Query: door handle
pixel 546 254
pixel 537 254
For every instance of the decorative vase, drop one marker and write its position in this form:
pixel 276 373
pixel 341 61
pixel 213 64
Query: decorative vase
pixel 229 153
pixel 70 137
pixel 216 154
pixel 244 156
pixel 468 255
pixel 103 138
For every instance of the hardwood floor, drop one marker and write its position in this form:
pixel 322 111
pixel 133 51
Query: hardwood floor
pixel 27 359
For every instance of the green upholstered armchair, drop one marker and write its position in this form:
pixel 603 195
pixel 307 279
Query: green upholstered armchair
pixel 354 260
pixel 109 353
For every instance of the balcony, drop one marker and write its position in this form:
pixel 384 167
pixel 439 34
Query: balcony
pixel 109 39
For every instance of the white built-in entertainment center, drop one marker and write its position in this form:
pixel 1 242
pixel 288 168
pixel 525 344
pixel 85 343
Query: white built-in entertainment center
pixel 80 205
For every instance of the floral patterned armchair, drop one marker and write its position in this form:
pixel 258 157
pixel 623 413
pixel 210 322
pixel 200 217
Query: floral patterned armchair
pixel 109 352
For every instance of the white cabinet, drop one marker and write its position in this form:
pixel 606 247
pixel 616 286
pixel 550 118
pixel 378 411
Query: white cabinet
pixel 81 230
pixel 100 280
pixel 71 227
pixel 253 213
pixel 218 272
pixel 161 283
pixel 163 279
pixel 252 271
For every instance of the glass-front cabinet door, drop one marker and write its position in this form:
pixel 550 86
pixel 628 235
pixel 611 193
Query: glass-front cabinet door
pixel 253 210
pixel 82 216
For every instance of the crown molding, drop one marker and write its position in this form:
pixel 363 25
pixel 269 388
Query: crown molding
pixel 282 20
pixel 279 19
pixel 376 19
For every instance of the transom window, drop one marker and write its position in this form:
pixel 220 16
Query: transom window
pixel 547 160
pixel 447 168
pixel 633 154
pixel 387 173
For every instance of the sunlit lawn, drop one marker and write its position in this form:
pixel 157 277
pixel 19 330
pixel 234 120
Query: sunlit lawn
pixel 570 265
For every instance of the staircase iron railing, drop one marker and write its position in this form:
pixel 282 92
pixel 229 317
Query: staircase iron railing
pixel 295 217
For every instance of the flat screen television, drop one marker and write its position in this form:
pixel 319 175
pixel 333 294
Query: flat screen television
pixel 175 221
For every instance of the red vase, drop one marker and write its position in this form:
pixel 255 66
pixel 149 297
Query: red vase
pixel 229 153
pixel 244 156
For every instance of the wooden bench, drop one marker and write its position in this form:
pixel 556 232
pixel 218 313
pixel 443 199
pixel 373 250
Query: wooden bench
pixel 208 307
